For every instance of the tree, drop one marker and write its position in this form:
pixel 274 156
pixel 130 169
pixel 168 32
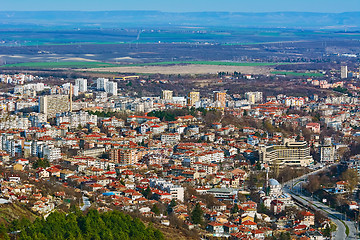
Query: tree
pixel 351 177
pixel 41 162
pixel 147 193
pixel 155 209
pixel 235 209
pixel 94 225
pixel 197 215
pixel 171 206
pixel 3 233
pixel 313 184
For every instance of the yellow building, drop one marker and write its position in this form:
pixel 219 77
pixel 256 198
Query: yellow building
pixel 193 97
pixel 126 156
pixel 220 97
pixel 167 95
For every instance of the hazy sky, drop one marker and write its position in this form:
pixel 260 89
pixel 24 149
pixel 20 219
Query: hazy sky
pixel 185 5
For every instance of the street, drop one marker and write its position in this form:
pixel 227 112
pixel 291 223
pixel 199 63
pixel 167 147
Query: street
pixel 335 216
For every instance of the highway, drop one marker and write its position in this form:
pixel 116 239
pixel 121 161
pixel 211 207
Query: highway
pixel 294 189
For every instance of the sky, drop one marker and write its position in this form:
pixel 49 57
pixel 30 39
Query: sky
pixel 325 6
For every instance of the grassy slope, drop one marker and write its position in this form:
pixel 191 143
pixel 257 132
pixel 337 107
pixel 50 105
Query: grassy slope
pixel 11 211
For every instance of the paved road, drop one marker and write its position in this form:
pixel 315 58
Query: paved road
pixel 296 193
pixel 86 202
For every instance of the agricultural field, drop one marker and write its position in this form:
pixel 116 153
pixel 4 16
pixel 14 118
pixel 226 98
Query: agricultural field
pixel 50 65
pixel 299 74
pixel 91 64
pixel 184 69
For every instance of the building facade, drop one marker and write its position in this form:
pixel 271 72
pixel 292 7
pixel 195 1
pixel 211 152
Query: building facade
pixel 290 153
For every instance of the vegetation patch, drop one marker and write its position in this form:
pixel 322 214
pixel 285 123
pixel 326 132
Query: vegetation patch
pixel 93 225
pixel 305 74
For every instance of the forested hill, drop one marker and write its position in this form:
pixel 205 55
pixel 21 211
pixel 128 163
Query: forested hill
pixel 94 225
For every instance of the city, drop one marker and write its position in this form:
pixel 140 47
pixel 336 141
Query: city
pixel 253 166
pixel 180 120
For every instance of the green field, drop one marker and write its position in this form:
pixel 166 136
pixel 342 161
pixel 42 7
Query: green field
pixel 59 65
pixel 307 74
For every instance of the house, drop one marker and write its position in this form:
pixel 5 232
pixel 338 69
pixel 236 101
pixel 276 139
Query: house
pixel 14 178
pixel 216 228
pixel 18 167
pixel 258 234
pixel 277 206
pixel 94 187
pixel 314 127
pixel 230 228
pixel 42 173
pixel 249 204
pixel 308 218
pixel 341 186
pixel 314 235
pixel 249 224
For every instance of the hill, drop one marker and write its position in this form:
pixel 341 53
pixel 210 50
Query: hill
pixel 109 19
pixel 11 211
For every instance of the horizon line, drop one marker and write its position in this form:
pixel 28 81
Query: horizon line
pixel 176 11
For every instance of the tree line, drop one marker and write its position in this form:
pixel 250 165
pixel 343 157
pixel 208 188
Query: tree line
pixel 76 225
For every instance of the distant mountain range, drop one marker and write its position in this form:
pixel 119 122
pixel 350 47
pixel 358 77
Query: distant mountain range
pixel 145 19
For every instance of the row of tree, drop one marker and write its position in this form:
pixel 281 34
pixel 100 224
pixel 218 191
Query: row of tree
pixel 76 225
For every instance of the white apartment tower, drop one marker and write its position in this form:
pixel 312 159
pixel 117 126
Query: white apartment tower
pixel 344 71
pixel 81 83
pixel 254 97
pixel 111 87
pixel 101 84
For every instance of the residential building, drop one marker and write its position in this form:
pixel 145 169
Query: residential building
pixel 81 83
pixel 344 72
pixel 52 104
pixel 124 156
pixel 193 98
pixel 101 84
pixel 111 87
pixel 254 97
pixel 220 99
pixel 167 95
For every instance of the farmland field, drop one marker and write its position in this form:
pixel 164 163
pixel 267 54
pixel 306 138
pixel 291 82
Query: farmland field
pixel 219 63
pixel 184 69
pixel 43 65
pixel 94 64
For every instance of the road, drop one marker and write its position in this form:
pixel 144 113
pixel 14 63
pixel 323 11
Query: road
pixel 86 202
pixel 294 189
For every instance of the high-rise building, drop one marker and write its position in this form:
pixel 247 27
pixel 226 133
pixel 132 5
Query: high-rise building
pixel 111 87
pixel 167 95
pixel 290 153
pixel 126 156
pixel 193 97
pixel 81 83
pixel 254 97
pixel 344 71
pixel 101 84
pixel 52 104
pixel 220 97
